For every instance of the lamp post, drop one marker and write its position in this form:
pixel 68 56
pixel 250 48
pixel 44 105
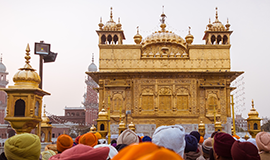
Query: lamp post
pixel 44 51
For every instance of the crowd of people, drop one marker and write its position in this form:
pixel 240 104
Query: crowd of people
pixel 167 143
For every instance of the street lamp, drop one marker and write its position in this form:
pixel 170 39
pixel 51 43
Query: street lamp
pixel 44 51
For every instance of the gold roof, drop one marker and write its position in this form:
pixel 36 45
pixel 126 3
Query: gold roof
pixel 26 76
pixel 110 25
pixel 163 35
pixel 122 125
pixel 103 113
pixel 217 25
pixel 253 112
pixel 45 120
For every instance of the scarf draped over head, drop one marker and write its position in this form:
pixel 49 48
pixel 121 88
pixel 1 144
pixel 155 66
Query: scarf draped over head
pixel 245 151
pixel 170 137
pixel 24 146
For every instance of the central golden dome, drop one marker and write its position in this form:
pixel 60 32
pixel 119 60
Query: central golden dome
pixel 163 36
pixel 27 76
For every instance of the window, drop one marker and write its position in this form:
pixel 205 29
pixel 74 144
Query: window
pixel 19 108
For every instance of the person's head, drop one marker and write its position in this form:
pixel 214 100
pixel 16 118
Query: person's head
pixel 201 140
pixel 146 151
pixel 113 141
pixel 127 137
pixel 47 154
pixel 263 141
pixel 112 151
pixel 170 137
pixel 244 150
pixel 24 146
pixel 206 147
pixel 88 139
pixel 213 134
pixel 83 152
pixel 196 134
pixel 63 142
pixel 222 146
pixel 191 143
pixel 146 139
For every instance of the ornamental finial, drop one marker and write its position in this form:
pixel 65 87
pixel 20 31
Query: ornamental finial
pixel 252 103
pixel 92 57
pixel 27 57
pixel 216 13
pixel 111 16
pixel 44 110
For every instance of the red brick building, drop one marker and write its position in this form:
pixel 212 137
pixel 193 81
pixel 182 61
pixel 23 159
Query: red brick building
pixel 91 97
pixel 5 129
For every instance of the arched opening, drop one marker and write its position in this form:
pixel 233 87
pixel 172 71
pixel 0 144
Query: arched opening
pixel 109 39
pixel 103 39
pixel 19 108
pixel 115 39
pixel 72 114
pixel 68 114
pixel 225 40
pixel 213 39
pixel 255 127
pixel 218 39
pixel 102 127
pixel 53 135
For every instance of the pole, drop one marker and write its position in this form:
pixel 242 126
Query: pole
pixel 233 115
pixel 214 114
pixel 109 120
pixel 40 70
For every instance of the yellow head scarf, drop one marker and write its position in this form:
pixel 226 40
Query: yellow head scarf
pixel 23 146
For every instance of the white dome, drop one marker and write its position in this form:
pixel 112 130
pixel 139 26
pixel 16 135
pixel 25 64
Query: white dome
pixel 2 67
pixel 92 67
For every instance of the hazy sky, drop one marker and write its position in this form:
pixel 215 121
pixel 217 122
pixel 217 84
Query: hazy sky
pixel 70 27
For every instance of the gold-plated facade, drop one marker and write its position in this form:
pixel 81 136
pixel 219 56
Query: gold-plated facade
pixel 24 101
pixel 253 122
pixel 165 79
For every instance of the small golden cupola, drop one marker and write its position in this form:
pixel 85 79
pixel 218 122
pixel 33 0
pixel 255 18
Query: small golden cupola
pixel 46 128
pixel 110 33
pixel 202 129
pixel 253 121
pixel 26 77
pixel 102 123
pixel 216 33
pixel 137 38
pixel 189 38
pixel 25 98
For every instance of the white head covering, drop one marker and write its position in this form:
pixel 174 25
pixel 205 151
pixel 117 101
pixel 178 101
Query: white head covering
pixel 102 141
pixel 112 152
pixel 241 140
pixel 171 137
pixel 253 141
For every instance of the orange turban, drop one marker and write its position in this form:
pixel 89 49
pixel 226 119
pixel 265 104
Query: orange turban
pixel 88 139
pixel 146 151
pixel 64 142
pixel 98 135
pixel 201 140
pixel 236 136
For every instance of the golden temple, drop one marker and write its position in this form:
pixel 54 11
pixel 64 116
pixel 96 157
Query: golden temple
pixel 164 79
